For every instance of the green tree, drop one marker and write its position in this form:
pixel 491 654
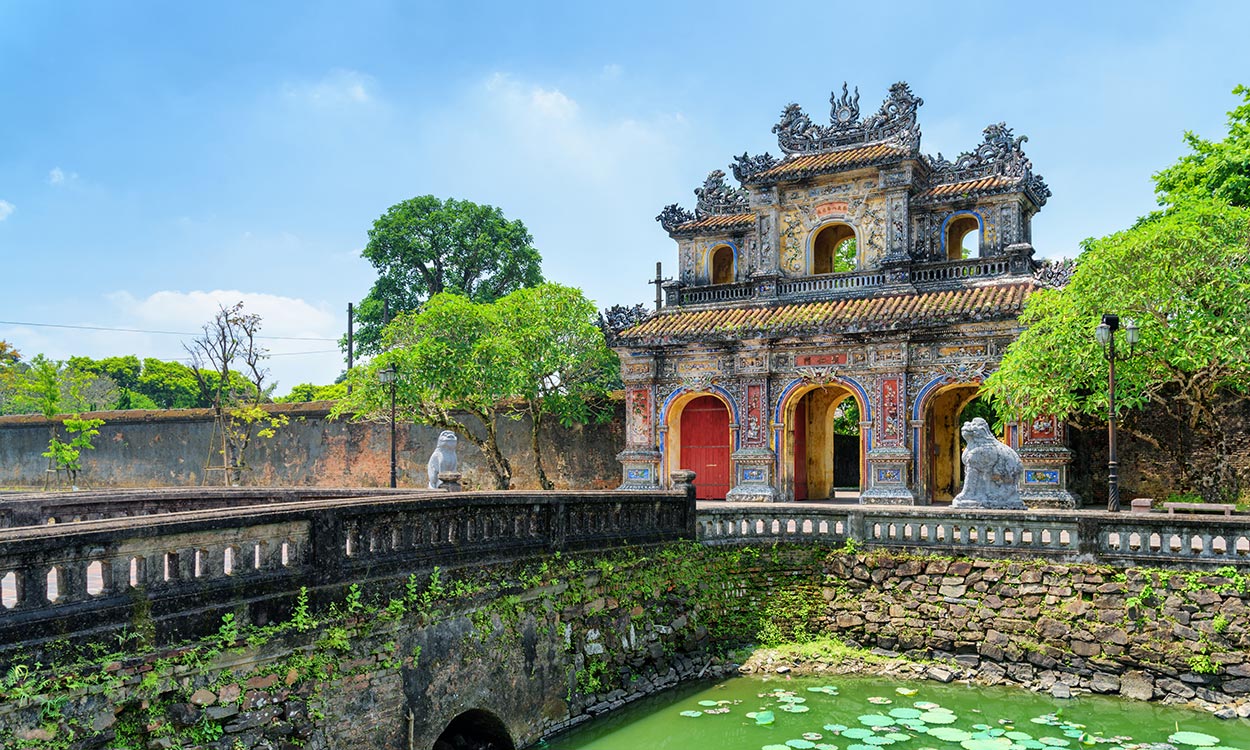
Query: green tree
pixel 66 455
pixel 169 385
pixel 425 246
pixel 305 392
pixel 455 370
pixel 1184 276
pixel 1218 170
pixel 565 367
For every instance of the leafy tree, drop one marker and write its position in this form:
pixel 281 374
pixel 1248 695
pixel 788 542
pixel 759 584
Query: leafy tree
pixel 66 454
pixel 227 341
pixel 169 385
pixel 1217 170
pixel 10 369
pixel 305 392
pixel 425 246
pixel 565 367
pixel 453 361
pixel 844 256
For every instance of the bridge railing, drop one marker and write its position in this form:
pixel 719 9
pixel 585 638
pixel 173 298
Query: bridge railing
pixel 1111 538
pixel 190 567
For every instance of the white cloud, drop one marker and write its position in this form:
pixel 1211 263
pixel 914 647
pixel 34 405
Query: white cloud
pixel 611 72
pixel 337 89
pixel 549 129
pixel 6 209
pixel 58 177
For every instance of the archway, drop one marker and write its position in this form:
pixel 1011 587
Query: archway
pixel 944 416
pixel 475 729
pixel 700 437
pixel 833 249
pixel 963 236
pixel 824 447
pixel 722 265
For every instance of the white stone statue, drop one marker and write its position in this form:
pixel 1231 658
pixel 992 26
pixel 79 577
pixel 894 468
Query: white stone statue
pixel 992 471
pixel 443 459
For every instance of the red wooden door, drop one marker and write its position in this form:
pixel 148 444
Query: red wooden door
pixel 800 450
pixel 705 446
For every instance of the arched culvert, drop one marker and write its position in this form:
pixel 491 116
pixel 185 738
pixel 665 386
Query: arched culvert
pixel 475 729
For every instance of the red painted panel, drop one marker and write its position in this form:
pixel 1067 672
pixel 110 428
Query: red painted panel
pixel 705 446
pixel 800 450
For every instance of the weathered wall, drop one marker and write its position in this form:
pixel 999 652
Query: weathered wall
pixel 1213 461
pixel 171 448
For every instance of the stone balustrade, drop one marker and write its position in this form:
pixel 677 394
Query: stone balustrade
pixel 189 567
pixel 1110 538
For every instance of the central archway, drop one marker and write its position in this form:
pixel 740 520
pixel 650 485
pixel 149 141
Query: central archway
pixel 823 444
pixel 943 477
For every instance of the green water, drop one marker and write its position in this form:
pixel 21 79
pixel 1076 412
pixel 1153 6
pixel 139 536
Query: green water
pixel 968 718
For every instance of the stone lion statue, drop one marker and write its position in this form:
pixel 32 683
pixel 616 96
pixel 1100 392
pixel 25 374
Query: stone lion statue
pixel 443 459
pixel 992 471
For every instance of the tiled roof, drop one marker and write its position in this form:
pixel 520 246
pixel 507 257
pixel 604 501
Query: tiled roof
pixel 967 187
pixel 723 222
pixel 990 301
pixel 810 164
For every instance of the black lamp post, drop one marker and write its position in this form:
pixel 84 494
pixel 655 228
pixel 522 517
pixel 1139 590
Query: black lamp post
pixel 1105 335
pixel 387 377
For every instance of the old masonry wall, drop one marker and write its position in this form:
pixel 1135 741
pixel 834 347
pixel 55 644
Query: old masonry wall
pixel 532 649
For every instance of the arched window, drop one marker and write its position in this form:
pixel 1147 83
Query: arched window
pixel 963 236
pixel 723 265
pixel 833 250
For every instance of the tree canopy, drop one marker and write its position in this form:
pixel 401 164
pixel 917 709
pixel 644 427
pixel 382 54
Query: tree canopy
pixel 425 246
pixel 464 366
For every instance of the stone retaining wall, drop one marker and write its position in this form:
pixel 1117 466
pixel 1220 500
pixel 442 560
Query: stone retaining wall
pixel 1065 628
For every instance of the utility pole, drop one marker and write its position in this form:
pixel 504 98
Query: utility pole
pixel 658 281
pixel 351 310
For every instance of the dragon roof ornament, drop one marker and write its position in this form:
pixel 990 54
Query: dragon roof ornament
pixel 1001 154
pixel 717 197
pixel 747 166
pixel 895 122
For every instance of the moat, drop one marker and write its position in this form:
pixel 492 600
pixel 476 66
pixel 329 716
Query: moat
pixel 867 713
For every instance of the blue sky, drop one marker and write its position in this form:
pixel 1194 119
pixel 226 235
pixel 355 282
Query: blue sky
pixel 156 158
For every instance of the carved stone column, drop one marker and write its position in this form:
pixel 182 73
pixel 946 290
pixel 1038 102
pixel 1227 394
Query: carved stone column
pixel 640 461
pixel 754 480
pixel 1046 461
pixel 888 472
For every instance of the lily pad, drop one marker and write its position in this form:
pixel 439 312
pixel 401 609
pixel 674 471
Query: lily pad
pixel 857 733
pixel 995 743
pixel 876 720
pixel 835 728
pixel 1054 741
pixel 1031 744
pixel 906 691
pixel 692 714
pixel 825 746
pixel 926 705
pixel 1195 739
pixel 878 741
pixel 1019 736
pixel 775 747
pixel 791 699
pixel 898 736
pixel 795 708
pixel 801 744
pixel 938 717
pixel 708 703
pixel 949 734
pixel 860 746
pixel 763 718
pixel 905 713
pixel 880 700
pixel 813 736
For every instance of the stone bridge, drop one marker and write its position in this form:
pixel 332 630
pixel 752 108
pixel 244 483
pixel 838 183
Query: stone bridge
pixel 395 619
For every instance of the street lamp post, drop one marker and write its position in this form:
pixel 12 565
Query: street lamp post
pixel 1105 335
pixel 387 377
